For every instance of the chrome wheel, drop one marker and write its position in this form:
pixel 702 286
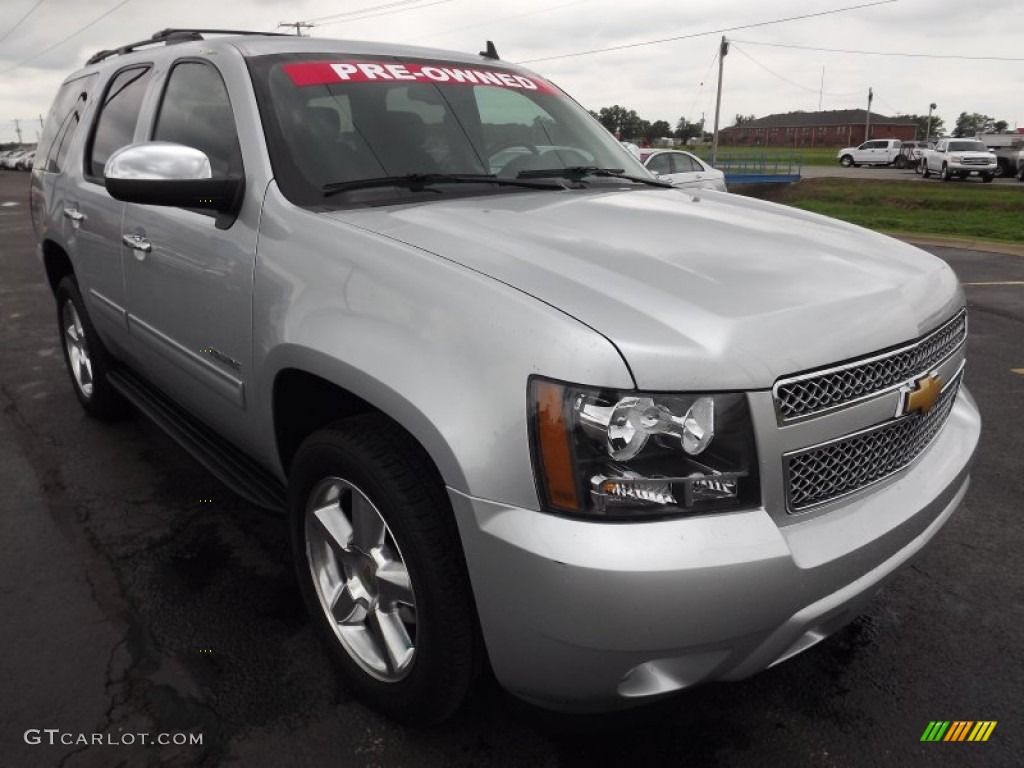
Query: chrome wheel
pixel 77 348
pixel 361 579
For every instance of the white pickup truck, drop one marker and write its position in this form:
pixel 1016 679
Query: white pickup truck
pixel 874 152
pixel 960 158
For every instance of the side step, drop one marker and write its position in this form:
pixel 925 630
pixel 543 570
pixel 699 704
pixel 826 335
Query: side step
pixel 232 467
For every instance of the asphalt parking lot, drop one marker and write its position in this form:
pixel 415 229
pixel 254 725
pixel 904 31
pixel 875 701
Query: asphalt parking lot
pixel 885 173
pixel 138 595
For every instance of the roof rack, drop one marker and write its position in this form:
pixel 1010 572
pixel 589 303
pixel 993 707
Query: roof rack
pixel 171 36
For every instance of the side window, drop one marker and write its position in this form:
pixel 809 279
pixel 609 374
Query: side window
pixel 119 113
pixel 195 111
pixel 660 164
pixel 684 164
pixel 62 121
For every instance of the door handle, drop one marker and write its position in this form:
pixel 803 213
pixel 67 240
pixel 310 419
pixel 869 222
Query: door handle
pixel 76 216
pixel 139 244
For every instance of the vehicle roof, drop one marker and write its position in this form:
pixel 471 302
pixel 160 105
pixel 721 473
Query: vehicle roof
pixel 260 45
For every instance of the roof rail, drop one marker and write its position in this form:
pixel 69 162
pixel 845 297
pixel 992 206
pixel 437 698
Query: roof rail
pixel 171 36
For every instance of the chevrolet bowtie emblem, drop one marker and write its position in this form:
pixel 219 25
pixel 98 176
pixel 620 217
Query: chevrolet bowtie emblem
pixel 921 394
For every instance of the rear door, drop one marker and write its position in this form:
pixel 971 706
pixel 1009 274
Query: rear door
pixel 93 218
pixel 189 279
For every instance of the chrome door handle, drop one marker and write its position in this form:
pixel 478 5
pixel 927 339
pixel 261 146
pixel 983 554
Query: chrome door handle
pixel 76 216
pixel 139 244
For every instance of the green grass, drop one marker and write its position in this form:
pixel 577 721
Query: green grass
pixel 969 210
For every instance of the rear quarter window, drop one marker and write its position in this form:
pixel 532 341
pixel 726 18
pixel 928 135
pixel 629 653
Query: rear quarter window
pixel 62 121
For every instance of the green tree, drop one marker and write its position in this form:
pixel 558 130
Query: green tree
pixel 741 119
pixel 622 122
pixel 685 130
pixel 1000 126
pixel 657 130
pixel 971 124
pixel 938 127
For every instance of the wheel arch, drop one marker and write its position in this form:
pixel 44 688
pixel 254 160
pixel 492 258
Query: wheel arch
pixel 57 264
pixel 310 391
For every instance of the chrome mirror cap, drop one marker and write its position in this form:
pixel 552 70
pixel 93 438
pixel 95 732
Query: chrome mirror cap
pixel 158 161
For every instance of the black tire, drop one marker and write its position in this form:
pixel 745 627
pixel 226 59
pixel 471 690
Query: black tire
pixel 925 170
pixel 919 167
pixel 945 175
pixel 900 162
pixel 987 177
pixel 846 161
pixel 379 459
pixel 1002 168
pixel 100 400
pixel 1020 173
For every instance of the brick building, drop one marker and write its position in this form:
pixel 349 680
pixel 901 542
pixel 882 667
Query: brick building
pixel 832 128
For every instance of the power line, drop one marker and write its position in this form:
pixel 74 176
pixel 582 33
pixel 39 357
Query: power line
pixel 18 22
pixel 787 80
pixel 61 42
pixel 709 32
pixel 883 53
pixel 383 13
pixel 495 21
pixel 365 10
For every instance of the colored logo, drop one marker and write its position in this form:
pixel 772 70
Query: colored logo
pixel 922 394
pixel 958 730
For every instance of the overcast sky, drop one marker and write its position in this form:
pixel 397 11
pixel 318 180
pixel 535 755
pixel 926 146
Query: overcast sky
pixel 662 81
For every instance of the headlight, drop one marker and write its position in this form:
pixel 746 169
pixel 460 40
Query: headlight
pixel 612 454
pixel 955 158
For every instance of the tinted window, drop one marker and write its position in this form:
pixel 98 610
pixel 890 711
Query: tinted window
pixel 118 116
pixel 62 120
pixel 684 164
pixel 660 164
pixel 196 112
pixel 56 161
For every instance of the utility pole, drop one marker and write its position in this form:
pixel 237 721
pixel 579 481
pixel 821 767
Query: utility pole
pixel 928 130
pixel 17 129
pixel 722 52
pixel 299 26
pixel 821 88
pixel 41 126
pixel 867 120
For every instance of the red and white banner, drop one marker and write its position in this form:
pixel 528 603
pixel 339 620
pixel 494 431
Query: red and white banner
pixel 328 72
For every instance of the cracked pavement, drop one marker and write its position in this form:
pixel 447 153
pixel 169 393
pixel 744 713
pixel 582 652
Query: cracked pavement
pixel 138 594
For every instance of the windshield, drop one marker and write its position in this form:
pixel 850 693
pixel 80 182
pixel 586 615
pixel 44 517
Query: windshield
pixel 967 146
pixel 334 123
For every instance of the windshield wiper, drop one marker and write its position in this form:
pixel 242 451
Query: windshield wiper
pixel 418 181
pixel 578 172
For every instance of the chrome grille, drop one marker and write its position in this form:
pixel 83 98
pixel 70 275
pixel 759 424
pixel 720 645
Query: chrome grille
pixel 805 395
pixel 828 471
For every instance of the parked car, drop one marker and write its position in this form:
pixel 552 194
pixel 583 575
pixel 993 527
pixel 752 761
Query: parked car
pixel 960 158
pixel 910 154
pixel 24 163
pixel 9 161
pixel 1019 165
pixel 684 170
pixel 559 419
pixel 874 152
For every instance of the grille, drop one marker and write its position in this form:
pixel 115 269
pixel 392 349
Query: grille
pixel 835 469
pixel 801 396
pixel 974 161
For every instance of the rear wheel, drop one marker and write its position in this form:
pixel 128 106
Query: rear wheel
pixel 380 567
pixel 87 360
pixel 900 162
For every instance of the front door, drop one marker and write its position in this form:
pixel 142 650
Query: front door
pixel 189 281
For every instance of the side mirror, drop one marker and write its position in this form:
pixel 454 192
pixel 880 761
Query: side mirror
pixel 164 173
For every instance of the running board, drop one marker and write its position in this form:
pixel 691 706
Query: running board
pixel 232 467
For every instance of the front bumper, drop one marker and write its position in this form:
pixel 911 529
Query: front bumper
pixel 583 615
pixel 979 169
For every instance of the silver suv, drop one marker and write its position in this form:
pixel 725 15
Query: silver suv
pixel 525 405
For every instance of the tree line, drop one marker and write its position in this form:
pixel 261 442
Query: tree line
pixel 627 125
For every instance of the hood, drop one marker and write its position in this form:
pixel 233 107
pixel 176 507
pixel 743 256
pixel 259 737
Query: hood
pixel 698 291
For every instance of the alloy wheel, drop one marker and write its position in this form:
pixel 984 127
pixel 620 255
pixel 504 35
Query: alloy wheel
pixel 77 348
pixel 361 579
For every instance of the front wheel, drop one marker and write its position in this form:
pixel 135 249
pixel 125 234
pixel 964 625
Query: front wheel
pixel 926 171
pixel 1001 169
pixel 945 175
pixel 846 161
pixel 987 177
pixel 918 167
pixel 380 568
